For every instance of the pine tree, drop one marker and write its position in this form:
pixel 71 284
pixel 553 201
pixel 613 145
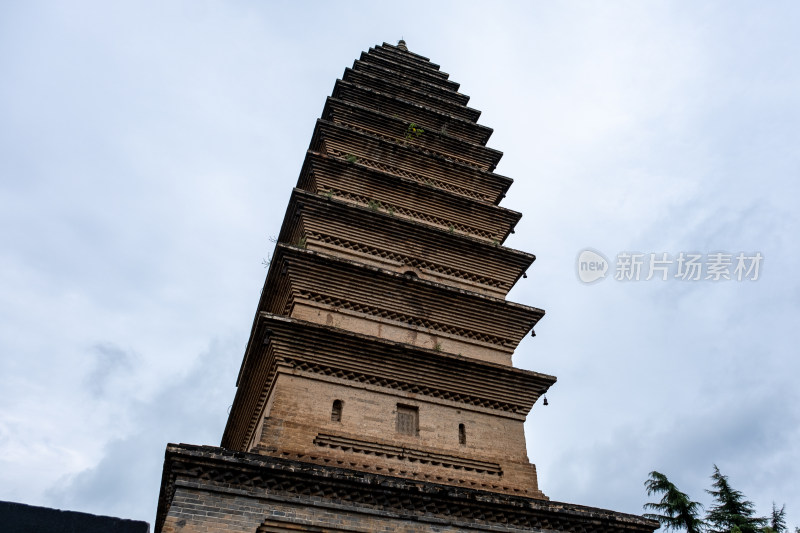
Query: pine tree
pixel 675 510
pixel 777 520
pixel 731 510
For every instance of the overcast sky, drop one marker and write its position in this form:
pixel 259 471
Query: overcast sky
pixel 148 149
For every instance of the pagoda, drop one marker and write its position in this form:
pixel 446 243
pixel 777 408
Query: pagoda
pixel 376 390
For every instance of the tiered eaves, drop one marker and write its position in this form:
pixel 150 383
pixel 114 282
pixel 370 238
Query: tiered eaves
pixel 376 390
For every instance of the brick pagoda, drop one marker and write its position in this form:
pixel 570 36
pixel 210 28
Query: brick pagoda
pixel 376 390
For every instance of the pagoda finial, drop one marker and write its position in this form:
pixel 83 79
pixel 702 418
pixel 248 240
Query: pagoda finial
pixel 401 44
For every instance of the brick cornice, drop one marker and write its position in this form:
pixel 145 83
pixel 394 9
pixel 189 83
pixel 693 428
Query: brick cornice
pixel 378 76
pixel 400 158
pixel 296 274
pixel 306 346
pixel 480 156
pixel 207 468
pixel 429 117
pixel 434 77
pixel 366 231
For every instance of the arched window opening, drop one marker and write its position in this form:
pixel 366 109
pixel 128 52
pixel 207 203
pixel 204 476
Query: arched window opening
pixel 462 435
pixel 336 411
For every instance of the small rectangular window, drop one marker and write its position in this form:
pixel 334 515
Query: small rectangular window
pixel 407 420
pixel 336 411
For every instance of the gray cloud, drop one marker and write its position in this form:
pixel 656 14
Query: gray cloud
pixel 110 361
pixel 125 481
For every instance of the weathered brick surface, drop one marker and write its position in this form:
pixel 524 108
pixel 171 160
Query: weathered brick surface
pixel 300 410
pixel 196 510
pixel 202 511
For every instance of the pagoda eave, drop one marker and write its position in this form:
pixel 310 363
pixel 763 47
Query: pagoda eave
pixel 434 77
pixel 396 50
pixel 398 243
pixel 381 123
pixel 408 100
pixel 420 59
pixel 399 158
pixel 358 183
pixel 304 277
pixel 367 78
pixel 380 53
pixel 382 79
pixel 279 342
pixel 430 118
pixel 405 59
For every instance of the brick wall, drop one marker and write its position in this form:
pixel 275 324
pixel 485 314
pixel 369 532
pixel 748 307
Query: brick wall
pixel 300 410
pixel 195 509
